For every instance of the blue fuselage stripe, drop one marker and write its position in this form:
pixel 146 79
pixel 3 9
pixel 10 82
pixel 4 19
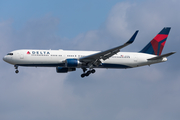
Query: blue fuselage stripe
pixel 103 65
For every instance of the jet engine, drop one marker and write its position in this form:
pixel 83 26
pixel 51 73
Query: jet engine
pixel 72 63
pixel 64 69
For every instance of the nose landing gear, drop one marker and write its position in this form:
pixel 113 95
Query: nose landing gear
pixel 16 67
pixel 17 71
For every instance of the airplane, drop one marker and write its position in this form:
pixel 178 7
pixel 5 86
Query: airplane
pixel 68 60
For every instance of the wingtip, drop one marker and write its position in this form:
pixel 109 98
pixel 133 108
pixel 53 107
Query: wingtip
pixel 173 52
pixel 131 40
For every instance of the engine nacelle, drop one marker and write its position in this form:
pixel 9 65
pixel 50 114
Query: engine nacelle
pixel 64 69
pixel 72 63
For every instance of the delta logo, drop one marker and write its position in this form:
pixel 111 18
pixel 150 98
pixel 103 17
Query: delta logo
pixel 28 52
pixel 124 56
pixel 38 52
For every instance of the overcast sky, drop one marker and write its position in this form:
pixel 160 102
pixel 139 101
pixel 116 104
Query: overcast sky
pixel 145 93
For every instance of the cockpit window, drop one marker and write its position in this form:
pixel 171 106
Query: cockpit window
pixel 10 54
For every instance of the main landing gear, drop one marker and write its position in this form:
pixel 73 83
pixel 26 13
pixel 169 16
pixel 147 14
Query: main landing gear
pixel 16 67
pixel 88 72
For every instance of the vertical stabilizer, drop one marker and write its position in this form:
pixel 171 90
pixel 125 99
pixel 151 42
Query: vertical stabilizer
pixel 157 43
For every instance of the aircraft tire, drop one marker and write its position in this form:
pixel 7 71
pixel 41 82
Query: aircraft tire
pixel 83 75
pixel 88 73
pixel 93 71
pixel 17 71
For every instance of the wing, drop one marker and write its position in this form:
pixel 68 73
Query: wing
pixel 94 59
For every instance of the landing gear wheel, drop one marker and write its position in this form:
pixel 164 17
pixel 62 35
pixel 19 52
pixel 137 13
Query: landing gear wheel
pixel 93 71
pixel 16 67
pixel 83 75
pixel 17 71
pixel 88 73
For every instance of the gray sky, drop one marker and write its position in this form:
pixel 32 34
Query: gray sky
pixel 148 93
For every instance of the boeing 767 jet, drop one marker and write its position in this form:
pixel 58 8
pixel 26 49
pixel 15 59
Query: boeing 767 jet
pixel 68 60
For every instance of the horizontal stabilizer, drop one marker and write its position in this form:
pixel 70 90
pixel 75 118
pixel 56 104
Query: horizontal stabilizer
pixel 162 56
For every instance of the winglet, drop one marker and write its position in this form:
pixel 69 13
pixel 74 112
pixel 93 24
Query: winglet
pixel 131 40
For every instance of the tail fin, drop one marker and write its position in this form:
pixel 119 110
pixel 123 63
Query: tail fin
pixel 157 43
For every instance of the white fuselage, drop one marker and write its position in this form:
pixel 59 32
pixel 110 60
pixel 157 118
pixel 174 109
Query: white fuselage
pixel 56 58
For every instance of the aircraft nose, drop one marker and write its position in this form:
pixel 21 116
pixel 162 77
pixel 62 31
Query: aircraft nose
pixel 4 58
